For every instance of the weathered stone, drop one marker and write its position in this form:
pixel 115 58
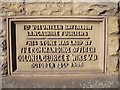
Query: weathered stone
pixel 3 46
pixel 94 8
pixel 112 64
pixel 113 25
pixel 4 65
pixel 113 41
pixel 33 9
pixel 113 45
pixel 12 8
pixel 48 1
pixel 48 8
pixel 3 27
pixel 3 33
pixel 113 30
pixel 3 60
pixel 12 0
pixel 0 25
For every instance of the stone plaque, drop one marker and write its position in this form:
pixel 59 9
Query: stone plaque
pixel 57 45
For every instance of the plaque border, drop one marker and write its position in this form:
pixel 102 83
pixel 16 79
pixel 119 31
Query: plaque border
pixel 12 19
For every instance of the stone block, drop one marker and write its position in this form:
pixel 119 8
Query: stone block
pixel 113 25
pixel 95 8
pixel 12 8
pixel 112 66
pixel 56 8
pixel 4 65
pixel 3 27
pixel 12 0
pixel 113 44
pixel 48 1
pixel 34 9
pixel 113 37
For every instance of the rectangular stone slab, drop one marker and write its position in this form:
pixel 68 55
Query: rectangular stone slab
pixel 57 45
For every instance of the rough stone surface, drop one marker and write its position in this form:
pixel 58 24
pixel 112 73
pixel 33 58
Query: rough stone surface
pixel 113 25
pixel 3 62
pixel 48 8
pixel 113 64
pixel 4 66
pixel 113 44
pixel 95 8
pixel 12 0
pixel 3 46
pixel 3 27
pixel 12 8
pixel 49 1
pixel 113 40
pixel 59 8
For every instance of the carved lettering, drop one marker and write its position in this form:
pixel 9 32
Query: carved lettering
pixel 58 46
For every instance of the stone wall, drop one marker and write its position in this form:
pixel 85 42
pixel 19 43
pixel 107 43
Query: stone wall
pixel 109 9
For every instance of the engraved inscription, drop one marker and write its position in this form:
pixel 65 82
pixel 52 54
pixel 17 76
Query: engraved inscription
pixel 57 45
